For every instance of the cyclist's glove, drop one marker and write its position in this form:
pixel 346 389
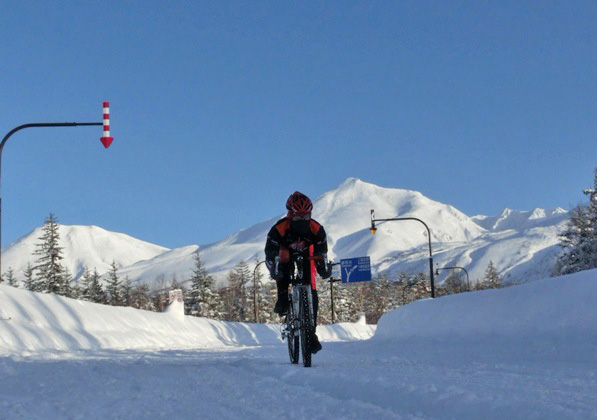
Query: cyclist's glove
pixel 323 268
pixel 275 271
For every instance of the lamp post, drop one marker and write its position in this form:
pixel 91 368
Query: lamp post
pixel 468 283
pixel 373 230
pixel 255 289
pixel 106 141
pixel 331 281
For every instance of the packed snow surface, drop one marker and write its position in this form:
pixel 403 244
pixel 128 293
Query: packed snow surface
pixel 525 352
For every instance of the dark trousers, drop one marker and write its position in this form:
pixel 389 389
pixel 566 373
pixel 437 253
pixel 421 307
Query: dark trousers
pixel 282 286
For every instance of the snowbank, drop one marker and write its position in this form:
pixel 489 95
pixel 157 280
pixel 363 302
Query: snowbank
pixel 40 322
pixel 555 317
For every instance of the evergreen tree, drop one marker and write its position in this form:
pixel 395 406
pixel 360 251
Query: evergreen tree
pixel 579 240
pixel 113 286
pixel 28 273
pixel 95 291
pixel 202 299
pixel 10 278
pixel 237 299
pixel 51 275
pixel 492 278
pixel 65 288
pixel 126 290
pixel 84 284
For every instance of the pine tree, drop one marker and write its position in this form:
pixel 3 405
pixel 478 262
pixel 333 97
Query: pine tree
pixel 95 292
pixel 10 277
pixel 51 275
pixel 237 293
pixel 28 273
pixel 66 288
pixel 492 278
pixel 113 286
pixel 126 290
pixel 84 283
pixel 202 299
pixel 579 240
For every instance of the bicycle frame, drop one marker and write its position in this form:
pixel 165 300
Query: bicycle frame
pixel 298 325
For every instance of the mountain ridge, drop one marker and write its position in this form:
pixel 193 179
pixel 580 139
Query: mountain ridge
pixel 522 244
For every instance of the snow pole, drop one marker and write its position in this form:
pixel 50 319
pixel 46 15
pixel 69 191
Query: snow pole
pixel 106 139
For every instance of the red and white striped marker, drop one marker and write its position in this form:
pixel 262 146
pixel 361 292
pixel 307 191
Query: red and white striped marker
pixel 106 140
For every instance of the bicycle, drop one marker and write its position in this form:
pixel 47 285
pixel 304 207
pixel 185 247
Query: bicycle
pixel 299 323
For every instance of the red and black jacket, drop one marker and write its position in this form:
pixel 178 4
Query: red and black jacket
pixel 282 237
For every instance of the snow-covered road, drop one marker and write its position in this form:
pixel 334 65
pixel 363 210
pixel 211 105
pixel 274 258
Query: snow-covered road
pixel 348 380
pixel 525 352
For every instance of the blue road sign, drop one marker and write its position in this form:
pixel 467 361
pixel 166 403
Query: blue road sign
pixel 354 270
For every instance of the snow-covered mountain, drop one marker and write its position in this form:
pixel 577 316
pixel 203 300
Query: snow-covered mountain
pixel 83 246
pixel 522 220
pixel 522 245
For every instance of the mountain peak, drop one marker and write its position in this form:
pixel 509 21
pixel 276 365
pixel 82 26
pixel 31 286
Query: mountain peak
pixel 352 183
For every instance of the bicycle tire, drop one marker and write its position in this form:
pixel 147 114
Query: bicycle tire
pixel 305 329
pixel 292 338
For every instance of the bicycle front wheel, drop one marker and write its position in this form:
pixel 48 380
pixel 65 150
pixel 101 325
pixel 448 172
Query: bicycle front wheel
pixel 306 331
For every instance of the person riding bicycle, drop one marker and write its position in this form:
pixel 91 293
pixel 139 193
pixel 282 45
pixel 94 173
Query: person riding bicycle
pixel 296 233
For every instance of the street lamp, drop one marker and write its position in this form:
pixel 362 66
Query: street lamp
pixel 255 289
pixel 468 283
pixel 373 230
pixel 106 141
pixel 331 281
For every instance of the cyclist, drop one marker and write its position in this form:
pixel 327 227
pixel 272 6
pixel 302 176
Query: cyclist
pixel 299 233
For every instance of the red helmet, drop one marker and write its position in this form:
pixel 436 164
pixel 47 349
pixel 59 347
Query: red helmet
pixel 299 204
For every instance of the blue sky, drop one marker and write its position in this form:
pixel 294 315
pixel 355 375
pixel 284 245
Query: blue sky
pixel 220 110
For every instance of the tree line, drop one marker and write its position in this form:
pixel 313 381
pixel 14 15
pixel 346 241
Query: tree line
pixel 249 299
pixel 245 298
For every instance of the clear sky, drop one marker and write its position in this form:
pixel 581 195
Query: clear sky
pixel 220 110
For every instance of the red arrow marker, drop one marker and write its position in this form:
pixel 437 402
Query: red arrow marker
pixel 106 140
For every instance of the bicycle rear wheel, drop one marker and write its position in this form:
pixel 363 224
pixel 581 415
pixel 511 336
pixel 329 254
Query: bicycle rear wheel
pixel 306 331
